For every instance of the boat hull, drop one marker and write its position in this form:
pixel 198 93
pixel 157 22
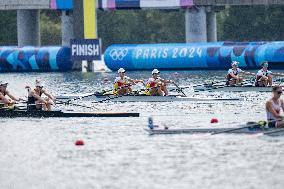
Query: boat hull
pixel 231 89
pixel 140 98
pixel 209 130
pixel 46 114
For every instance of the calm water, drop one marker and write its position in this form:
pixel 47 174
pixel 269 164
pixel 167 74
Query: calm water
pixel 40 153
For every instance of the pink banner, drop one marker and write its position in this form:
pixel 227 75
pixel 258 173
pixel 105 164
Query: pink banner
pixel 111 4
pixel 53 4
pixel 186 3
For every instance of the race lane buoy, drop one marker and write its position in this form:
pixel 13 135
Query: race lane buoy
pixel 214 120
pixel 79 143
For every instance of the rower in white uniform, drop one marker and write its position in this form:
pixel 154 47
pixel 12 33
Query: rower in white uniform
pixel 122 83
pixel 264 76
pixel 157 86
pixel 35 99
pixel 274 107
pixel 233 76
pixel 6 98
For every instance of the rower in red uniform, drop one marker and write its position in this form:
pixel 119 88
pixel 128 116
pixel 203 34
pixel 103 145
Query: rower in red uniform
pixel 122 83
pixel 274 107
pixel 4 101
pixel 233 76
pixel 35 99
pixel 157 86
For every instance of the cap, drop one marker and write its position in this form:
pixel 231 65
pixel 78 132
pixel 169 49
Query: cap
pixel 155 71
pixel 234 63
pixel 121 70
pixel 39 83
pixel 264 64
pixel 3 83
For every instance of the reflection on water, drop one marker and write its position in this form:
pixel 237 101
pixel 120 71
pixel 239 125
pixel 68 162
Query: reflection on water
pixel 40 153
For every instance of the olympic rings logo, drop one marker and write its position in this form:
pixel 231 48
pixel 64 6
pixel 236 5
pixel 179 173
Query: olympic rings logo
pixel 118 54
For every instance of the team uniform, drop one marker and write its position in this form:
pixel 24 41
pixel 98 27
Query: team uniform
pixel 272 121
pixel 4 94
pixel 4 101
pixel 232 71
pixel 152 86
pixel 120 84
pixel 259 75
pixel 32 101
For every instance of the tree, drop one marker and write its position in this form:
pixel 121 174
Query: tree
pixel 8 28
pixel 253 23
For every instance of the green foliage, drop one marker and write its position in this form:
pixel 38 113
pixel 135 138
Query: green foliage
pixel 50 28
pixel 8 28
pixel 257 23
pixel 141 26
pixel 238 23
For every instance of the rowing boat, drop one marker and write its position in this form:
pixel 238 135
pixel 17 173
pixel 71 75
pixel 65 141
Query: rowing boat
pixel 252 130
pixel 223 88
pixel 38 114
pixel 139 98
pixel 249 128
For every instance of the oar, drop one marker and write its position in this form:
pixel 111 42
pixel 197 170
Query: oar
pixel 260 124
pixel 235 129
pixel 118 96
pixel 273 132
pixel 97 93
pixel 79 105
pixel 81 97
pixel 179 88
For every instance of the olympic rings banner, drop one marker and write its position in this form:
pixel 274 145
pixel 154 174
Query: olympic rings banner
pixel 217 55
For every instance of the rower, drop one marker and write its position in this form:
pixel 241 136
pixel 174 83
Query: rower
pixel 157 86
pixel 274 107
pixel 263 76
pixel 4 101
pixel 233 76
pixel 36 102
pixel 122 83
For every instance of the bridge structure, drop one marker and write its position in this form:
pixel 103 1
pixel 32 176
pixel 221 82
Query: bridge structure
pixel 79 16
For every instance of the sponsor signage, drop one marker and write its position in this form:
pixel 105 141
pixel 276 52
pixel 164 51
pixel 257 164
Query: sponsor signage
pixel 86 49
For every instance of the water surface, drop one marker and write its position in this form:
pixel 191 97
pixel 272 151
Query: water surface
pixel 118 153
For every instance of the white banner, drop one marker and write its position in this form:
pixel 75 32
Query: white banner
pixel 159 3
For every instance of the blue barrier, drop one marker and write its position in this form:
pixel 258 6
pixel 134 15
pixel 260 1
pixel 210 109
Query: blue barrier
pixel 217 55
pixel 35 59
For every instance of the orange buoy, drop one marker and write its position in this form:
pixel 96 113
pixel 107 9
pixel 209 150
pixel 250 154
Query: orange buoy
pixel 214 120
pixel 79 143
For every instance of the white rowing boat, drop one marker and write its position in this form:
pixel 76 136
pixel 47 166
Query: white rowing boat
pixel 252 130
pixel 249 128
pixel 224 88
pixel 139 98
